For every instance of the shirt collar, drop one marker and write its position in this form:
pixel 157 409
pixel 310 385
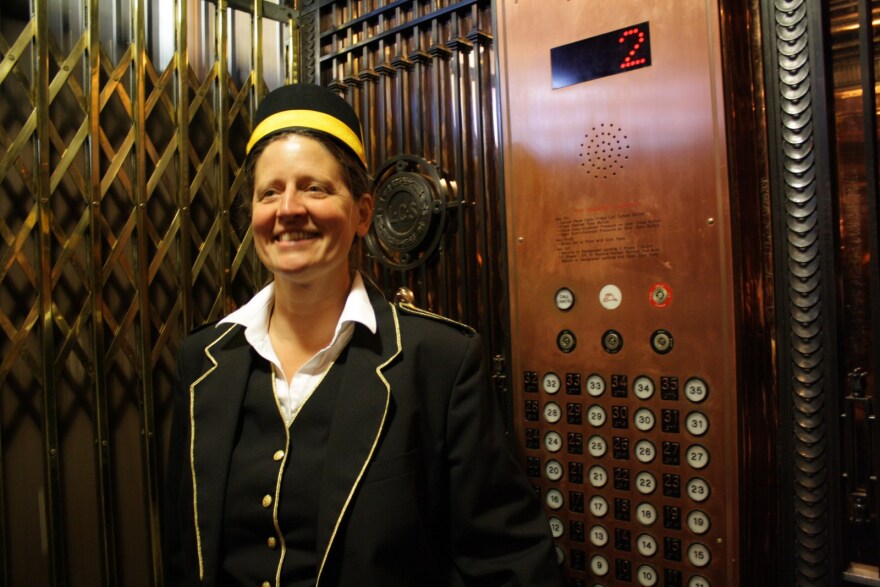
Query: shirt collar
pixel 254 315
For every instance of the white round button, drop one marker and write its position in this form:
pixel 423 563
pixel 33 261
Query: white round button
pixel 599 565
pixel 551 383
pixel 596 416
pixel 697 423
pixel 598 476
pixel 553 470
pixel 560 555
pixel 598 535
pixel 697 456
pixel 553 441
pixel 595 385
pixel 699 555
pixel 646 514
pixel 698 581
pixel 598 506
pixel 646 545
pixel 698 489
pixel 557 527
pixel 552 412
pixel 643 387
pixel 698 522
pixel 646 484
pixel 553 498
pixel 644 419
pixel 645 451
pixel 564 299
pixel 646 576
pixel 610 297
pixel 696 390
pixel 596 446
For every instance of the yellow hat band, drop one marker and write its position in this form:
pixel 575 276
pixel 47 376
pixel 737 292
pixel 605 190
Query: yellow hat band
pixel 308 119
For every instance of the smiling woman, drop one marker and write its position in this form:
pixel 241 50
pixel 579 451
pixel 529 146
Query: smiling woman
pixel 323 435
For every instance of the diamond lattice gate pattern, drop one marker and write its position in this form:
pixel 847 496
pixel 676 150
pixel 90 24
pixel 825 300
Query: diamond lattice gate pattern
pixel 120 142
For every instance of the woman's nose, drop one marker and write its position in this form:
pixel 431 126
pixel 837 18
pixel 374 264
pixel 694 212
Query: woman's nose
pixel 292 203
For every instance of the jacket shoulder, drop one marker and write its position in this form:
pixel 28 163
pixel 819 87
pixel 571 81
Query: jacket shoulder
pixel 410 309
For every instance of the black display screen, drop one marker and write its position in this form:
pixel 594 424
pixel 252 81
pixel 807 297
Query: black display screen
pixel 618 51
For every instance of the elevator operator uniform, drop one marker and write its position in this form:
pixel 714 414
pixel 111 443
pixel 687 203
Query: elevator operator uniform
pixel 394 472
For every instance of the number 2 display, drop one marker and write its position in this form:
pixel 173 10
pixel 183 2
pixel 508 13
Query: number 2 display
pixel 614 52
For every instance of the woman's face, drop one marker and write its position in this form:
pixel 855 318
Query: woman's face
pixel 304 217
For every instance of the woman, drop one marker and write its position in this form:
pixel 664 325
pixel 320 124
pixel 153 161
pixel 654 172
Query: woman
pixel 322 435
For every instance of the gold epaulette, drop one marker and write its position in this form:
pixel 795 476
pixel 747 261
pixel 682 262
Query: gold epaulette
pixel 410 308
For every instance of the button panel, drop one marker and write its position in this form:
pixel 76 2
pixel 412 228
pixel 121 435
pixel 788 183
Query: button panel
pixel 626 474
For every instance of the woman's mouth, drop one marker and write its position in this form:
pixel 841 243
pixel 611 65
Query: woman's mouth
pixel 293 236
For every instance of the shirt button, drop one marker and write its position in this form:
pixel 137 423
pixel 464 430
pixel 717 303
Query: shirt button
pixel 279 454
pixel 271 542
pixel 267 501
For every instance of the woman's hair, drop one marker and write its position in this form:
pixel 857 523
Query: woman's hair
pixel 355 177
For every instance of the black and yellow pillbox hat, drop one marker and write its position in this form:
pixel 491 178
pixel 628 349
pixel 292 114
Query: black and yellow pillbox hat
pixel 310 107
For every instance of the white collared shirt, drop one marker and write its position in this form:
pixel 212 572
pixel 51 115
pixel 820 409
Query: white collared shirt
pixel 254 316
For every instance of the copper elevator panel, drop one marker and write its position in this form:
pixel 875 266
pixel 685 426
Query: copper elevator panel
pixel 619 186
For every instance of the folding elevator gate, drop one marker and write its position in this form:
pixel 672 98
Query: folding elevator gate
pixel 623 341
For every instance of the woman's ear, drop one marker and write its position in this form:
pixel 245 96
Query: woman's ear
pixel 365 213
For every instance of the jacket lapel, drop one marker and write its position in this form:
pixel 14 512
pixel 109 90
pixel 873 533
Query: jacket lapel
pixel 358 420
pixel 215 402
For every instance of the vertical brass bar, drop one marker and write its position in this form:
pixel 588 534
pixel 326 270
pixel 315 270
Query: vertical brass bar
pixel 459 47
pixel 52 466
pixel 293 42
pixel 257 51
pixel 107 525
pixel 184 249
pixel 221 104
pixel 439 54
pixel 483 200
pixel 142 267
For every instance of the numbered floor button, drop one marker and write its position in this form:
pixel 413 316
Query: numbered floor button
pixel 646 545
pixel 557 527
pixel 697 456
pixel 698 581
pixel 560 555
pixel 697 423
pixel 698 489
pixel 554 499
pixel 643 387
pixel 644 419
pixel 599 565
pixel 598 535
pixel 552 412
pixel 553 441
pixel 698 522
pixel 698 554
pixel 696 390
pixel 645 451
pixel 597 446
pixel 598 506
pixel 646 575
pixel 595 385
pixel 551 383
pixel 596 415
pixel 598 476
pixel 553 470
pixel 646 484
pixel 646 514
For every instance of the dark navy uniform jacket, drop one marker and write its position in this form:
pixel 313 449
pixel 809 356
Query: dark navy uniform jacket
pixel 419 486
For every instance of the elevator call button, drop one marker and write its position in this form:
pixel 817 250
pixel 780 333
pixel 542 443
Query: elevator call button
pixel 564 299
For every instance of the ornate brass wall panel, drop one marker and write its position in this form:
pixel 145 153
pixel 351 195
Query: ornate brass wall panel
pixel 120 232
pixel 421 75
